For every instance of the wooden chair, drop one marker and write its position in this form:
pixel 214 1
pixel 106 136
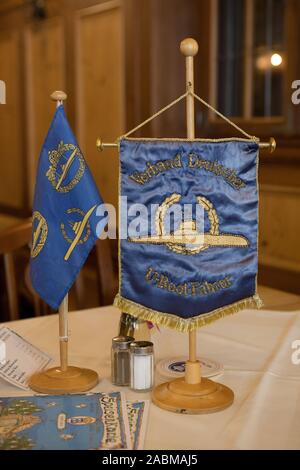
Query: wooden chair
pixel 106 284
pixel 18 236
pixel 107 279
pixel 11 240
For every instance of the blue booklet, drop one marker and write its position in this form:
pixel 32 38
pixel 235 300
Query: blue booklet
pixel 89 421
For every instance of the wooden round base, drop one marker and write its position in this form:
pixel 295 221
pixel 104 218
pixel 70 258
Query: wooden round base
pixel 56 382
pixel 181 397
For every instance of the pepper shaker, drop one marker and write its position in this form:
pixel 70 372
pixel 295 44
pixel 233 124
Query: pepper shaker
pixel 120 360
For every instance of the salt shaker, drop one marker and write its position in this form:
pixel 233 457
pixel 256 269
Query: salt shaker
pixel 120 360
pixel 142 365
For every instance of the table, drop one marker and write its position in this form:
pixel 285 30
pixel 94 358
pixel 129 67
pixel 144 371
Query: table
pixel 255 348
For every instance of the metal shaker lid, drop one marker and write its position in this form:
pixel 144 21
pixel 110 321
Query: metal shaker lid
pixel 122 342
pixel 141 348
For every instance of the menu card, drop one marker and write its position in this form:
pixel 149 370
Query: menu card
pixel 19 359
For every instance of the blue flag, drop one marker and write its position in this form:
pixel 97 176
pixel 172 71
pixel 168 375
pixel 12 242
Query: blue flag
pixel 64 213
pixel 187 271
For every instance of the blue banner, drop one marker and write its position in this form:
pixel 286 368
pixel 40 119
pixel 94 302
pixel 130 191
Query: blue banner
pixel 64 213
pixel 188 270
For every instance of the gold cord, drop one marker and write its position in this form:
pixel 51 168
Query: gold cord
pixel 231 123
pixel 180 98
pixel 170 105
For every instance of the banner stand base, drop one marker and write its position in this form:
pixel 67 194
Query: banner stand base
pixel 54 381
pixel 179 396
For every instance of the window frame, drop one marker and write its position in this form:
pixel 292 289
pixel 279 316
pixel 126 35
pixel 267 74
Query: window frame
pixel 260 126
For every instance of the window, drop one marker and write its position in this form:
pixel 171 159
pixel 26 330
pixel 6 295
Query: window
pixel 250 58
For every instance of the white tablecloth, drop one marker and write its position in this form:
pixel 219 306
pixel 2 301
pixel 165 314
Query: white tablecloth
pixel 255 348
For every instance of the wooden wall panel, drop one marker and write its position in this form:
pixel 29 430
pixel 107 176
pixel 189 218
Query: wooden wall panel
pixel 45 72
pixel 171 22
pixel 279 227
pixel 100 81
pixel 11 125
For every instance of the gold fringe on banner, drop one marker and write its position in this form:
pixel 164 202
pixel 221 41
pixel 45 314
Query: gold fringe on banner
pixel 180 324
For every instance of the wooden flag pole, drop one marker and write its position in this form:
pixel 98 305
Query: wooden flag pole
pixel 189 49
pixel 2 92
pixel 60 97
pixel 192 394
pixel 63 379
pixel 63 334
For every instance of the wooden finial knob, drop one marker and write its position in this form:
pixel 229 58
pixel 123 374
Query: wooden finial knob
pixel 58 96
pixel 99 144
pixel 189 47
pixel 272 145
